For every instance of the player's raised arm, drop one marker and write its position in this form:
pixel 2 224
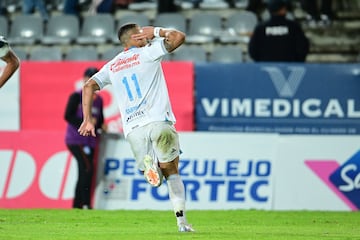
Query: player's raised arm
pixel 87 127
pixel 172 38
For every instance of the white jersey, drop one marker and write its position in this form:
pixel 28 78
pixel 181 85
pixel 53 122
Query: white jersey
pixel 139 85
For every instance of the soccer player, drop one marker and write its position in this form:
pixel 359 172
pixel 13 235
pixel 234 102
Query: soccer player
pixel 12 61
pixel 147 116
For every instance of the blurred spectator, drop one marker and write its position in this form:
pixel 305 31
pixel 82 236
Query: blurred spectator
pixel 102 6
pixel 29 7
pixel 278 39
pixel 257 7
pixel 72 7
pixel 81 147
pixel 166 6
pixel 318 13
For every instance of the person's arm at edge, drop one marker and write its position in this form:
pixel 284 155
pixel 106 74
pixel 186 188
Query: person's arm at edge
pixel 12 64
pixel 87 127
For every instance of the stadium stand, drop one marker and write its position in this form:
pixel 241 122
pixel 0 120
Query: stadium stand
pixel 26 29
pixel 190 53
pixel 4 26
pixel 110 53
pixel 82 53
pixel 239 27
pixel 226 54
pixel 97 29
pixel 206 27
pixel 138 18
pixel 45 53
pixel 21 53
pixel 171 20
pixel 61 29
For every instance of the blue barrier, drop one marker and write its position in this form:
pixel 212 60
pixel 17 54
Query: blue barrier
pixel 278 98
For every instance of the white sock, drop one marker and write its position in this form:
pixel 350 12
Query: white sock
pixel 177 197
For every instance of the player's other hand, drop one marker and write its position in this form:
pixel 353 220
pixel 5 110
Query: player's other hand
pixel 86 129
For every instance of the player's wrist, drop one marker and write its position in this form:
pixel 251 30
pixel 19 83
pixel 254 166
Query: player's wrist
pixel 157 31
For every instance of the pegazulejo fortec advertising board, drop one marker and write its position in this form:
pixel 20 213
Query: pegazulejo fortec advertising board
pixel 218 172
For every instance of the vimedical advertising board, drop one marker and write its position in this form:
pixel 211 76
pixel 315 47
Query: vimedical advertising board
pixel 281 98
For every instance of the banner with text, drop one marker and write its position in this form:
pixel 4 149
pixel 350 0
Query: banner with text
pixel 46 87
pixel 235 175
pixel 281 98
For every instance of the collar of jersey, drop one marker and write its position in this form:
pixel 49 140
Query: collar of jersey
pixel 126 49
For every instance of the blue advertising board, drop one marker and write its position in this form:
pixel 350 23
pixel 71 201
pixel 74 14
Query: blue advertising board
pixel 278 98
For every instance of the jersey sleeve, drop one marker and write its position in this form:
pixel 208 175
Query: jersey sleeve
pixel 156 49
pixel 102 76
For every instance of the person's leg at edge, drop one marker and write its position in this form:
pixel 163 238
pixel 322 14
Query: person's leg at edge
pixel 176 191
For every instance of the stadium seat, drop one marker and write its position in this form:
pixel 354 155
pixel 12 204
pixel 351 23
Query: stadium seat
pixel 241 4
pixel 61 29
pixel 190 53
pixel 239 27
pixel 20 52
pixel 171 20
pixel 138 18
pixel 82 54
pixel 213 4
pixel 26 29
pixel 45 53
pixel 204 27
pixel 96 29
pixel 142 5
pixel 4 26
pixel 226 54
pixel 110 53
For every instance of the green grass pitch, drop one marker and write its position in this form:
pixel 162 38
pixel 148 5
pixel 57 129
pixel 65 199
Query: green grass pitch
pixel 49 224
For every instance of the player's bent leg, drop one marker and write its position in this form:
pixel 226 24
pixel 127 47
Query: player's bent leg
pixel 152 172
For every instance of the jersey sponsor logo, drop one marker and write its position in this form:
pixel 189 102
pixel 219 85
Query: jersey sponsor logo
pixel 125 63
pixel 135 115
pixel 343 180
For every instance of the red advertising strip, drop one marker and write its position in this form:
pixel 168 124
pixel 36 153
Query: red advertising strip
pixel 46 86
pixel 36 170
pixel 180 79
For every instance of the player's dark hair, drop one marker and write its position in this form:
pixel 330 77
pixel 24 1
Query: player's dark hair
pixel 123 33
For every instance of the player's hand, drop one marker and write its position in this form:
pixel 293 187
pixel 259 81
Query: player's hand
pixel 145 33
pixel 86 129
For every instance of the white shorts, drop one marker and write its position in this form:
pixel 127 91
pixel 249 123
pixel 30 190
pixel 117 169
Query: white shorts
pixel 158 139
